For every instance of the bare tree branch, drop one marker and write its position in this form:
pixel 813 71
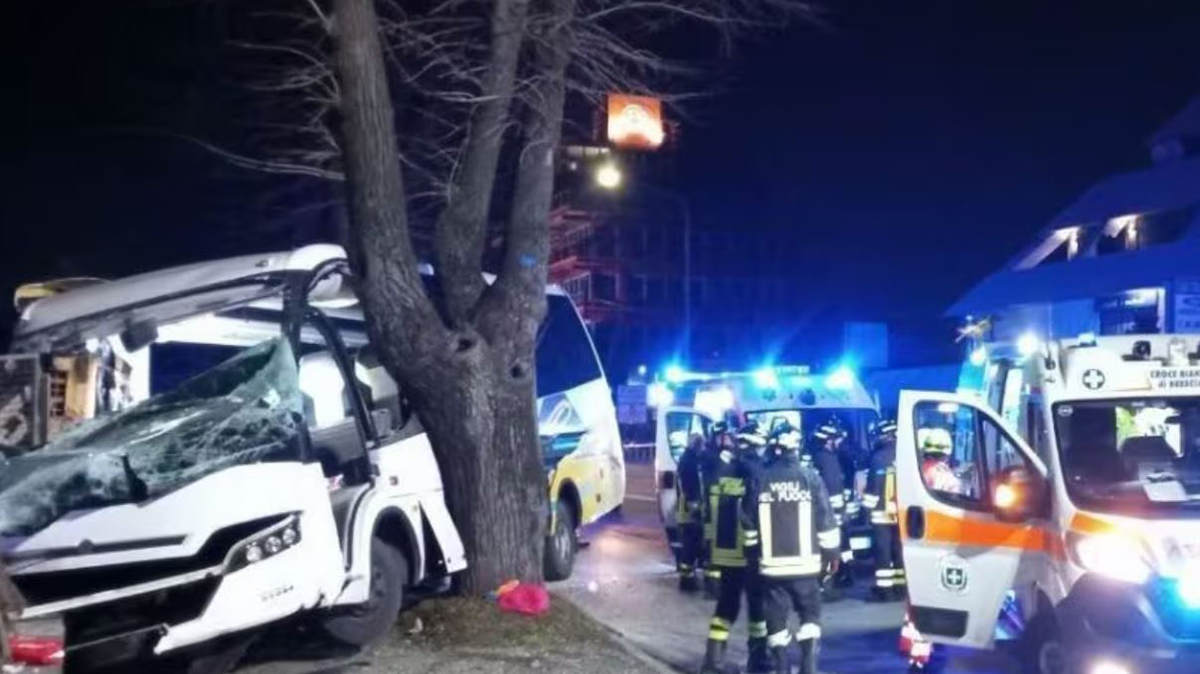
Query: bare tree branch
pixel 461 227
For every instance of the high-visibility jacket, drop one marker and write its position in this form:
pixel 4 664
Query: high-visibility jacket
pixel 732 473
pixel 791 528
pixel 880 496
pixel 689 495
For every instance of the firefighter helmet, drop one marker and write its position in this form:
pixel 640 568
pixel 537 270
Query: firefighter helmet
pixel 883 431
pixel 785 438
pixel 750 436
pixel 830 431
pixel 935 441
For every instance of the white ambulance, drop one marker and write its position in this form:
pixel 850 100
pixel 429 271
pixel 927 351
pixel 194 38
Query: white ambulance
pixel 1058 503
pixel 690 403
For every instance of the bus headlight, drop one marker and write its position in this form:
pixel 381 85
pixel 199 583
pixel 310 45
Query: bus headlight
pixel 264 544
pixel 1114 556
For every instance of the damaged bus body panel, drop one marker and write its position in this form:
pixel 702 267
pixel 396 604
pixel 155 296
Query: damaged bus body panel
pixel 243 458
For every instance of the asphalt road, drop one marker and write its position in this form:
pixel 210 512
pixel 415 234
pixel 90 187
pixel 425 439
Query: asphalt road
pixel 625 578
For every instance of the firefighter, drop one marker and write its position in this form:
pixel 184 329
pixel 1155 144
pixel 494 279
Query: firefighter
pixel 733 472
pixel 722 441
pixel 793 535
pixel 880 501
pixel 828 464
pixel 689 513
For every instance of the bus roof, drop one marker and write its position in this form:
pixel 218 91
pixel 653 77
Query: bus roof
pixel 102 297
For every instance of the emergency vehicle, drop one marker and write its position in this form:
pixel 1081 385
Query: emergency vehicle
pixel 1055 499
pixel 689 403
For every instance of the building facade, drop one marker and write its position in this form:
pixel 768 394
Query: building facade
pixel 1124 258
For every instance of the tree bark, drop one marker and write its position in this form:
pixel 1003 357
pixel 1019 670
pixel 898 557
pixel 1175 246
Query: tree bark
pixel 473 392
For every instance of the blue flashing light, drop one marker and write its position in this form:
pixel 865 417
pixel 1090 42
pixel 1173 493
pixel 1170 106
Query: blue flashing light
pixel 674 373
pixel 841 378
pixel 979 356
pixel 765 377
pixel 1188 590
pixel 641 370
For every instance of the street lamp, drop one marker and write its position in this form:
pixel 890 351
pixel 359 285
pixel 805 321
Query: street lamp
pixel 609 176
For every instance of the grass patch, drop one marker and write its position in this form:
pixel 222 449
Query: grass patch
pixel 458 622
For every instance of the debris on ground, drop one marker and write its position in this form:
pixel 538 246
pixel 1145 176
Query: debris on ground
pixel 456 635
pixel 524 599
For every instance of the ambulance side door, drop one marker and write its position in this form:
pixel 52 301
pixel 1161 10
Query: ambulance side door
pixel 675 428
pixel 970 514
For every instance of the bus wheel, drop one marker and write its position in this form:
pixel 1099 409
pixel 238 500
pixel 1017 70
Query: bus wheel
pixel 559 558
pixel 366 623
pixel 1042 649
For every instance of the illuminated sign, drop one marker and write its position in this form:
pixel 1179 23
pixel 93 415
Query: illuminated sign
pixel 635 122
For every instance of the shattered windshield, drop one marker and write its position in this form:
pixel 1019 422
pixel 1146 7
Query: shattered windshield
pixel 247 409
pixel 1132 457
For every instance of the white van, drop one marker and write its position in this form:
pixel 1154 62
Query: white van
pixel 247 458
pixel 1065 514
pixel 768 396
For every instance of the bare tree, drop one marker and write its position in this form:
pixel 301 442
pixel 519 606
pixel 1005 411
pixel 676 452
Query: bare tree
pixel 439 118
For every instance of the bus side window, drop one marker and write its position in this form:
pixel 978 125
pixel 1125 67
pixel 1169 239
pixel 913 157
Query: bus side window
pixel 565 359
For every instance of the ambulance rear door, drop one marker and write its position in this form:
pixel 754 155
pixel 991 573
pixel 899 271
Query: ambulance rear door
pixel 971 514
pixel 675 428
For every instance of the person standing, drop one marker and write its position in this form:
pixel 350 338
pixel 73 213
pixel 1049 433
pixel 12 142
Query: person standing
pixel 722 441
pixel 689 513
pixel 734 471
pixel 828 438
pixel 880 502
pixel 793 535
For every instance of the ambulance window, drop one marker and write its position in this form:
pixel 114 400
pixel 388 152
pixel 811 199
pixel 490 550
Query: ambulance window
pixel 682 428
pixel 950 443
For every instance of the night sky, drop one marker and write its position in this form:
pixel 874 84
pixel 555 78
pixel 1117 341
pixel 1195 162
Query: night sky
pixel 905 148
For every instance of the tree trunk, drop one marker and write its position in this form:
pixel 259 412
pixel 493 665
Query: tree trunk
pixel 483 426
pixel 472 385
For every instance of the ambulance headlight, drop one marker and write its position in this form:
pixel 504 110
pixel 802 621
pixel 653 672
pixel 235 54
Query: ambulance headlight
pixel 1114 556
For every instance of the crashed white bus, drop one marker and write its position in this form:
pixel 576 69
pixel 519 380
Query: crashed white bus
pixel 216 447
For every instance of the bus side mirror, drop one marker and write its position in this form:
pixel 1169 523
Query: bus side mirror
pixel 1018 494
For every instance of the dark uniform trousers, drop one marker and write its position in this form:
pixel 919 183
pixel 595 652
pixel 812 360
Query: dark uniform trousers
pixel 735 581
pixel 802 595
pixel 889 557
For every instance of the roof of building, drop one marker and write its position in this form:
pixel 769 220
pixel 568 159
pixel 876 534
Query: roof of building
pixel 1081 278
pixel 1163 187
pixel 1186 124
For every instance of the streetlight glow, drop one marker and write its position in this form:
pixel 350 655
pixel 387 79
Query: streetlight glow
pixel 609 176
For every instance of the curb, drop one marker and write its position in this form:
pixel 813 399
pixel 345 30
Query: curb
pixel 627 645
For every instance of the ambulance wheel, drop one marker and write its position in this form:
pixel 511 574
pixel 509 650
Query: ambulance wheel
pixel 366 623
pixel 1042 649
pixel 559 557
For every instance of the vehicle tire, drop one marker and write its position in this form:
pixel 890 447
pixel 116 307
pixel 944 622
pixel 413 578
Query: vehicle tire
pixel 1042 650
pixel 559 558
pixel 366 623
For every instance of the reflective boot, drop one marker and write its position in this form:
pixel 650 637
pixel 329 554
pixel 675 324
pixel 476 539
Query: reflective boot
pixel 759 661
pixel 714 658
pixel 779 660
pixel 809 648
